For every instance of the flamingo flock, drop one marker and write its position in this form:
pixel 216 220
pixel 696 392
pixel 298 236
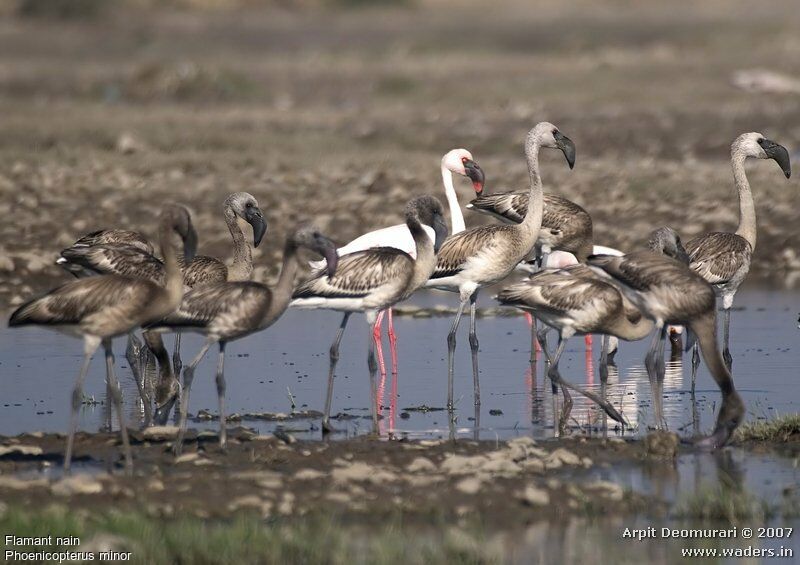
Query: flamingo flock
pixel 574 286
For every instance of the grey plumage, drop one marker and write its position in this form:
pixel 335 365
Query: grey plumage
pixel 361 273
pixel 117 237
pixel 482 256
pixel 103 307
pixel 720 257
pixel 230 310
pixel 372 280
pixel 668 292
pixel 566 226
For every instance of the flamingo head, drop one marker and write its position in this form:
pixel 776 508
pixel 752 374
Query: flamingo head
pixel 244 205
pixel 309 236
pixel 545 134
pixel 178 218
pixel 428 210
pixel 755 145
pixel 460 162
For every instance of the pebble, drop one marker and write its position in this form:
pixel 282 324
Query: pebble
pixel 77 484
pixel 470 485
pixel 534 496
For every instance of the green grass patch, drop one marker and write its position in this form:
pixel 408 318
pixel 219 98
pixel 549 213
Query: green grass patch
pixel 782 429
pixel 250 539
pixel 721 504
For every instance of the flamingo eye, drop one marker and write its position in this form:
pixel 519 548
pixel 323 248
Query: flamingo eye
pixel 464 160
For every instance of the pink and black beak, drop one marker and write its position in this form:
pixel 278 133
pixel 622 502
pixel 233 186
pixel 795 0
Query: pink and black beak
pixel 475 174
pixel 778 153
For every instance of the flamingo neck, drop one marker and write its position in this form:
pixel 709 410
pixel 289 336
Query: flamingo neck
pixel 174 278
pixel 532 222
pixel 705 329
pixel 282 291
pixel 456 216
pixel 747 209
pixel 425 262
pixel 242 266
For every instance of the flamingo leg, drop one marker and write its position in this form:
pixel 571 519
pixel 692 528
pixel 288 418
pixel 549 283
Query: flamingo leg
pixel 392 343
pixel 372 365
pixel 473 344
pixel 376 337
pixel 188 376
pixel 334 357
pixel 90 345
pixel 451 350
pixel 726 337
pixel 535 348
pixel 116 397
pixel 587 339
pixel 223 432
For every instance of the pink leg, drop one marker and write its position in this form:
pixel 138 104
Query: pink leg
pixel 376 335
pixel 392 343
pixel 535 342
pixel 588 340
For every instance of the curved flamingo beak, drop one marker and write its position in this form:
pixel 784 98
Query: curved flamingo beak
pixel 475 174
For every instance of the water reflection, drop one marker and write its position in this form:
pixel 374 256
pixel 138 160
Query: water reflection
pixel 38 368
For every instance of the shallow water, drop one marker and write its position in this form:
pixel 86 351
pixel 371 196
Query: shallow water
pixel 39 367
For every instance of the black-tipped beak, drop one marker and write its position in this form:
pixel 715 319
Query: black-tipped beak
pixel 256 220
pixel 475 174
pixel 779 154
pixel 441 231
pixel 190 244
pixel 567 147
pixel 327 249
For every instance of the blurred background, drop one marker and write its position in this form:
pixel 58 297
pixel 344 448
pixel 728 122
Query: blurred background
pixel 340 110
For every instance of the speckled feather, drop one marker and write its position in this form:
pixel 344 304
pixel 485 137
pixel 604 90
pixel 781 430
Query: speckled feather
pixel 116 237
pixel 719 257
pixel 203 270
pixel 459 248
pixel 569 224
pixel 111 259
pixel 104 306
pixel 224 310
pixel 359 274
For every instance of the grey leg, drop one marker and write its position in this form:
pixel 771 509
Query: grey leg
pixel 695 363
pixel 726 337
pixel 133 361
pixel 90 345
pixel 372 366
pixel 533 339
pixel 223 432
pixel 555 376
pixel 473 344
pixel 542 336
pixel 116 395
pixel 652 351
pixel 334 357
pixel 604 353
pixel 451 350
pixel 177 364
pixel 188 376
pixel 660 366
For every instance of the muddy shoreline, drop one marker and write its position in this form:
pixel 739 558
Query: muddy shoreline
pixel 510 484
